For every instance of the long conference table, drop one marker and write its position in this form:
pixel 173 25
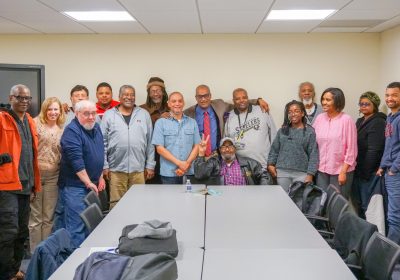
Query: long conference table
pixel 241 232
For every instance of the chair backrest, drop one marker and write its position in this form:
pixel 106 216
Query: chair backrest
pixel 331 191
pixel 91 198
pixel 337 207
pixel 351 237
pixel 91 216
pixel 381 255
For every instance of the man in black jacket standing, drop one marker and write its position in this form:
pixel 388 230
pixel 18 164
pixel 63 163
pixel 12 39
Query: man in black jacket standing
pixel 230 169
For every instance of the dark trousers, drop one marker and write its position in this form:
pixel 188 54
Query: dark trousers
pixel 14 218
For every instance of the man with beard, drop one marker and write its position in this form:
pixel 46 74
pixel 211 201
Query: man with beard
pixel 129 154
pixel 231 169
pixel 390 163
pixel 307 95
pixel 156 105
pixel 253 130
pixel 81 167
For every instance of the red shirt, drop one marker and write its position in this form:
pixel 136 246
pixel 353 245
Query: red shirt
pixel 101 111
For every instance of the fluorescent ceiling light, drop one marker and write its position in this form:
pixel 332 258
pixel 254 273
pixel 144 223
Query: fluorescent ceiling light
pixel 100 16
pixel 298 14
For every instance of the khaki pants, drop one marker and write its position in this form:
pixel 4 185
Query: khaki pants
pixel 120 182
pixel 42 209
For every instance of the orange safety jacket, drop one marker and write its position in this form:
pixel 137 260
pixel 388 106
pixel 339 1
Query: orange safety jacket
pixel 10 142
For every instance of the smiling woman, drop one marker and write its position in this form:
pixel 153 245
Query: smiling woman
pixel 337 142
pixel 49 125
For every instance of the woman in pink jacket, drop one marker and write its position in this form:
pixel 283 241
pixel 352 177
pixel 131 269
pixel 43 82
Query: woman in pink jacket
pixel 337 143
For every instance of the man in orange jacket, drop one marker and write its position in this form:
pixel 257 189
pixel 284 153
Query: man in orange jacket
pixel 19 178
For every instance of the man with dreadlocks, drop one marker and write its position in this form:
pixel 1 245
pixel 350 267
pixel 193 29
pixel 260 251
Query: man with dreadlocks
pixel 294 152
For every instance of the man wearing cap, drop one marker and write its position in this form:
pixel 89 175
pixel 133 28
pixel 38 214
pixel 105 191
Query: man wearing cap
pixel 231 169
pixel 210 115
pixel 176 139
pixel 156 105
pixel 157 99
pixel 252 130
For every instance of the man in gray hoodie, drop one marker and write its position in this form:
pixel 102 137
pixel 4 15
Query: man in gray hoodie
pixel 129 154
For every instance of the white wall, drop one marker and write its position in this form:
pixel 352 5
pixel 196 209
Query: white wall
pixel 269 66
pixel 390 56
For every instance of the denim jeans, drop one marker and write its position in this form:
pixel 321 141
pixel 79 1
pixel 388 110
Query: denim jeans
pixel 392 184
pixel 14 218
pixel 58 221
pixel 73 206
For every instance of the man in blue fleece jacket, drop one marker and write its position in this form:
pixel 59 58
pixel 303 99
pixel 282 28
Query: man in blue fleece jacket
pixel 390 163
pixel 81 167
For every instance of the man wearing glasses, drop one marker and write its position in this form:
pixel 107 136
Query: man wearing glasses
pixel 19 178
pixel 231 169
pixel 81 167
pixel 210 116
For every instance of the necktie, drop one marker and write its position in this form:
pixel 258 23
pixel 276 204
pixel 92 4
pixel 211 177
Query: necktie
pixel 207 131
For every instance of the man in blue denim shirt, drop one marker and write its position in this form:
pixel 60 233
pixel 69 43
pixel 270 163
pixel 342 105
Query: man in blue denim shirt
pixel 176 140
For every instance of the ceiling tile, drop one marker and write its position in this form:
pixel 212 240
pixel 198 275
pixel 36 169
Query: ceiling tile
pixel 231 22
pixel 9 27
pixel 308 4
pixel 234 5
pixel 169 22
pixel 339 29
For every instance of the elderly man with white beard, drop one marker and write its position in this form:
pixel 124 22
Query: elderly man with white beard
pixel 307 95
pixel 81 167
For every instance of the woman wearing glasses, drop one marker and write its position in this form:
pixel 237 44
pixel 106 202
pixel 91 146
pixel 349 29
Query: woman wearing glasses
pixel 49 125
pixel 337 143
pixel 371 143
pixel 294 152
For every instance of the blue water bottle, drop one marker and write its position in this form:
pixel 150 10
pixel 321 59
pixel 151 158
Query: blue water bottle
pixel 188 186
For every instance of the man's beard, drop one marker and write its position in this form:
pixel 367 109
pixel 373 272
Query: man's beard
pixel 228 157
pixel 307 102
pixel 89 126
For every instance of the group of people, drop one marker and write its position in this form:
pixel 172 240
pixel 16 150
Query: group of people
pixel 49 163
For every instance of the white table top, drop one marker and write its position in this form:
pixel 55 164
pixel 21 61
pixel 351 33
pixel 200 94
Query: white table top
pixel 257 217
pixel 189 262
pixel 300 264
pixel 185 211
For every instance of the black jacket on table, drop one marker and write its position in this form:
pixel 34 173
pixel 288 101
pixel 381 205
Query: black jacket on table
pixel 210 171
pixel 371 143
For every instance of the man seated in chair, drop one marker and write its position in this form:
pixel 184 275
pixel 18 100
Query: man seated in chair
pixel 231 169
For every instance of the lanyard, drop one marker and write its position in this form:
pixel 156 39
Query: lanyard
pixel 241 131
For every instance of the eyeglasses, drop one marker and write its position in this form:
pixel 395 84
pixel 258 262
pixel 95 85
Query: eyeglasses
pixel 156 91
pixel 297 112
pixel 225 148
pixel 204 96
pixel 364 104
pixel 88 114
pixel 23 98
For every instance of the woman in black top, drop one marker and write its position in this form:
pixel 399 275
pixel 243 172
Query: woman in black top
pixel 371 143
